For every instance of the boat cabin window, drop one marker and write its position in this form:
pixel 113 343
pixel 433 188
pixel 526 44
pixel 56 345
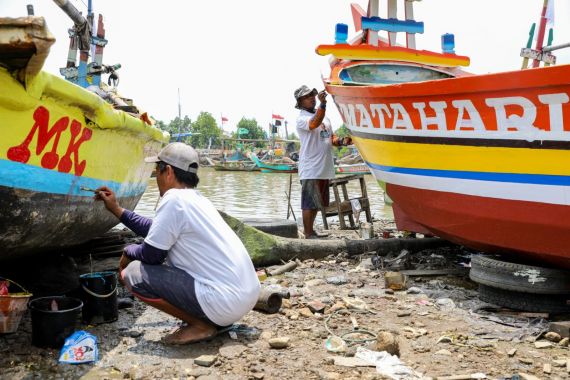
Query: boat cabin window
pixel 389 74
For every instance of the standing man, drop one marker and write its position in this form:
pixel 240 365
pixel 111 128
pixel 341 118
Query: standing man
pixel 316 165
pixel 191 264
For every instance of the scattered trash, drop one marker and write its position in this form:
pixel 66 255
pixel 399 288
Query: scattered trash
pixel 268 301
pixel 445 304
pixel 80 347
pixel 387 365
pixel 395 280
pixel 335 344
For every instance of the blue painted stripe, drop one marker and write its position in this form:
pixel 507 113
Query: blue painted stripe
pixel 538 179
pixel 29 177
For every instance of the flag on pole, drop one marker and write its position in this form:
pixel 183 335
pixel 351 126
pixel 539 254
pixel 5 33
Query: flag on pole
pixel 277 119
pixel 224 119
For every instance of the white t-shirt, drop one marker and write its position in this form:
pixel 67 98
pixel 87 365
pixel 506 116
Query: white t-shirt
pixel 201 243
pixel 315 157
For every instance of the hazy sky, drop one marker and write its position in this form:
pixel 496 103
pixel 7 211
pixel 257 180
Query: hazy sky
pixel 246 58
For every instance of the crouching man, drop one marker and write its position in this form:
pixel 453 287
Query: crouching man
pixel 191 264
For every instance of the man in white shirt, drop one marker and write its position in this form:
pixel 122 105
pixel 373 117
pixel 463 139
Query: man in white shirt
pixel 316 165
pixel 191 264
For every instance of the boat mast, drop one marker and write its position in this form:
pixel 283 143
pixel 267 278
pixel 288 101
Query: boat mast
pixel 541 31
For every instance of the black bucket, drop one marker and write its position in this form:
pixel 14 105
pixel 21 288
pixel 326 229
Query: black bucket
pixel 53 320
pixel 99 295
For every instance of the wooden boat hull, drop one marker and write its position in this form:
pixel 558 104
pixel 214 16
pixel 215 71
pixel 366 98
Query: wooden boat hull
pixel 236 167
pixel 481 160
pixel 58 139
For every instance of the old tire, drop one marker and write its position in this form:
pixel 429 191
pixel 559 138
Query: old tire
pixel 553 303
pixel 518 277
pixel 280 227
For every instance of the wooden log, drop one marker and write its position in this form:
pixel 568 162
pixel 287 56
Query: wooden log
pixel 284 268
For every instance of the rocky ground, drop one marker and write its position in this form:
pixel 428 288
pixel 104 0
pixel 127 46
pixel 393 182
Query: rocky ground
pixel 436 325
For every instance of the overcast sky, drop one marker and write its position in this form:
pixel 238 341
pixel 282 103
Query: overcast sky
pixel 246 58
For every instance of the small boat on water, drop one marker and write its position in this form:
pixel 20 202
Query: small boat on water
pixel 61 139
pixel 236 166
pixel 275 166
pixel 480 160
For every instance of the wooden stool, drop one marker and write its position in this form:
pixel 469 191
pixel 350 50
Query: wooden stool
pixel 343 207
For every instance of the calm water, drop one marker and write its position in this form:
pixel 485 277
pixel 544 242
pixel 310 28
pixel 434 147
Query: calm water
pixel 261 195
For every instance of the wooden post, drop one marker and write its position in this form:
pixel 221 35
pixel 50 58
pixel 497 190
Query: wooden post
pixel 373 12
pixel 410 37
pixel 392 13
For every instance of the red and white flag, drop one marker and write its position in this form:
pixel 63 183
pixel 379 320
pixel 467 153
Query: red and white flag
pixel 277 119
pixel 224 119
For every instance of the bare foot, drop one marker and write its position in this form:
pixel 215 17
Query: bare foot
pixel 190 334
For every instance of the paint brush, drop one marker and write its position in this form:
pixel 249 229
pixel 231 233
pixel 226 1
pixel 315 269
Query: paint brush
pixel 85 188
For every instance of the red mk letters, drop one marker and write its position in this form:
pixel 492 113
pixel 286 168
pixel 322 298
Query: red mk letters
pixel 45 134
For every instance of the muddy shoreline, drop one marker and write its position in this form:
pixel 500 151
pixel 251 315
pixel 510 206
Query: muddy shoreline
pixel 441 327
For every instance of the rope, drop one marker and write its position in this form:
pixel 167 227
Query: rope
pixel 354 331
pixel 99 295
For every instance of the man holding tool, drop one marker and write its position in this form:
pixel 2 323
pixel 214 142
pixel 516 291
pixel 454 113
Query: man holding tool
pixel 191 264
pixel 316 165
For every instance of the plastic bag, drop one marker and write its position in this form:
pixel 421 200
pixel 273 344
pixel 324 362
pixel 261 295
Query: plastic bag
pixel 80 347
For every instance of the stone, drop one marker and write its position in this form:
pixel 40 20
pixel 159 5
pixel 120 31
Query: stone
pixel 443 352
pixel 559 363
pixel 552 336
pixel 198 371
pixel 285 303
pixel 388 291
pixel 547 368
pixel 324 375
pixel 414 290
pixel 543 344
pixel 281 342
pixel 337 280
pixel 386 341
pixel 512 352
pixel 306 312
pixel 337 306
pixel 404 314
pixel 562 328
pixel 526 376
pixel 316 306
pixel 232 350
pixel 315 282
pixel 205 361
pixel 526 361
pixel 564 342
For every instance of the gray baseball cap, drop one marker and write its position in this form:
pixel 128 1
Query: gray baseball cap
pixel 304 91
pixel 179 155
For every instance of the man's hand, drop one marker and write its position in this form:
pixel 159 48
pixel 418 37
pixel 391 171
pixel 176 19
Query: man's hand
pixel 108 197
pixel 123 262
pixel 322 96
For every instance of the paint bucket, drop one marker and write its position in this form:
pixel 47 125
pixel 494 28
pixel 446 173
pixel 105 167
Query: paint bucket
pixel 99 295
pixel 12 306
pixel 53 320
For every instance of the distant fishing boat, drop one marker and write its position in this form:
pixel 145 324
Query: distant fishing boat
pixel 274 167
pixel 236 166
pixel 62 139
pixel 481 160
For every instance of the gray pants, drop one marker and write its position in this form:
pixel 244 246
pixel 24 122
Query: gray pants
pixel 165 282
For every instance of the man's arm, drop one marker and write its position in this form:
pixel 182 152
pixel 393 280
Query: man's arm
pixel 317 120
pixel 135 222
pixel 145 253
